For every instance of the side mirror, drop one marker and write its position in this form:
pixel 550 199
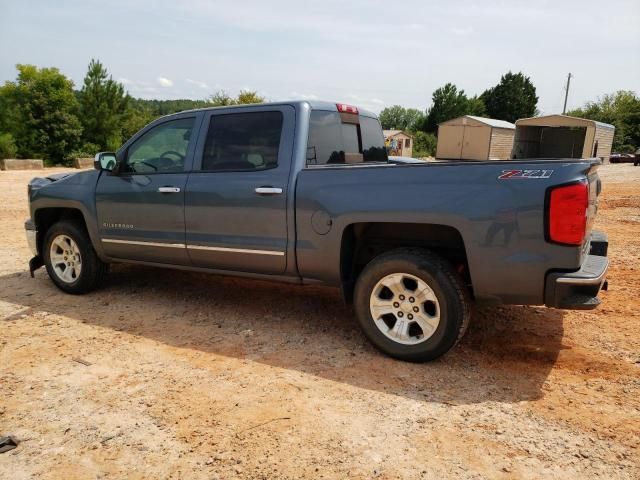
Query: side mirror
pixel 104 161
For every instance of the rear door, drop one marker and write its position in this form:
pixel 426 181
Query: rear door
pixel 236 196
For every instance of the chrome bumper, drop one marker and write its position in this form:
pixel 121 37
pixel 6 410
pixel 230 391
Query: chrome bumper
pixel 31 233
pixel 578 290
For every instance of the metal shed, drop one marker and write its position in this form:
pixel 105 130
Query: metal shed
pixel 561 136
pixel 475 138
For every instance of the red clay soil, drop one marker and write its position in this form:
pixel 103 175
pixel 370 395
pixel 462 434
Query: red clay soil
pixel 164 374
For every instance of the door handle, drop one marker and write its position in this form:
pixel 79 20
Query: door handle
pixel 168 189
pixel 268 191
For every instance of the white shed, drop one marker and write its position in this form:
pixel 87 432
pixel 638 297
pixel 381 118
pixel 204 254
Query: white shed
pixel 562 136
pixel 475 138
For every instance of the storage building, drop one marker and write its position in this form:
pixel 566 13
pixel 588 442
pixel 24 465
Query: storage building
pixel 398 143
pixel 561 136
pixel 475 138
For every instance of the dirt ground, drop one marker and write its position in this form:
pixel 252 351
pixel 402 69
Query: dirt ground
pixel 197 376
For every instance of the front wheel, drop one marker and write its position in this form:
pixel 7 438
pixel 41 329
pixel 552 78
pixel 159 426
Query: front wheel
pixel 411 304
pixel 71 261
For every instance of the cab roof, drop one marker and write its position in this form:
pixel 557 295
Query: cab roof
pixel 314 104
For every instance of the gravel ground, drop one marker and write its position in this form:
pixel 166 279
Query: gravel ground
pixel 164 374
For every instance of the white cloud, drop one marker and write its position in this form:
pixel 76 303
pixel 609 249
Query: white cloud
pixel 197 83
pixel 303 96
pixel 351 47
pixel 462 30
pixel 164 82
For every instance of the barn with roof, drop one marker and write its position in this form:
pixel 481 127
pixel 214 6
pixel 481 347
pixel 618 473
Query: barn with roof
pixel 475 138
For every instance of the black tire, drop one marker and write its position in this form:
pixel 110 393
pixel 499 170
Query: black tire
pixel 446 284
pixel 93 269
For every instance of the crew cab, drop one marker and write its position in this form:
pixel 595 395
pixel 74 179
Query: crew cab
pixel 304 192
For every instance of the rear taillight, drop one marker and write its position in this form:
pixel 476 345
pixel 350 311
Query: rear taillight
pixel 568 207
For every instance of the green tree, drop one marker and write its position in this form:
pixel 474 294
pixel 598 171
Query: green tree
pixel 137 115
pixel 513 98
pixel 392 117
pixel 448 102
pixel 248 96
pixel 156 108
pixel 103 105
pixel 400 118
pixel 222 99
pixel 621 109
pixel 41 113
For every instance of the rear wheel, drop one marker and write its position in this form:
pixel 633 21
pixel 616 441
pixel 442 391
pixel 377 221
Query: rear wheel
pixel 412 305
pixel 71 261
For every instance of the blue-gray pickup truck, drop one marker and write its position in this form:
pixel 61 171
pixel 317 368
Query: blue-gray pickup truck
pixel 304 192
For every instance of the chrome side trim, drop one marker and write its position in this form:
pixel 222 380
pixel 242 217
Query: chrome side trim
pixel 145 244
pixel 194 247
pixel 236 250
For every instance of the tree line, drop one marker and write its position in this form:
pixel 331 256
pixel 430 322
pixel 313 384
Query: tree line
pixel 42 116
pixel 514 97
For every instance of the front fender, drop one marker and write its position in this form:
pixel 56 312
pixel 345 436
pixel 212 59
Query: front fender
pixel 75 192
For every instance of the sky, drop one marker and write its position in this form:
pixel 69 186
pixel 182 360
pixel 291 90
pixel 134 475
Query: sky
pixel 365 52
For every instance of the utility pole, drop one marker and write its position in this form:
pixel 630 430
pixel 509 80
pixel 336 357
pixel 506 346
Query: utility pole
pixel 566 94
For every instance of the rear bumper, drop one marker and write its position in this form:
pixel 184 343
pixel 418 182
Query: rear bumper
pixel 579 290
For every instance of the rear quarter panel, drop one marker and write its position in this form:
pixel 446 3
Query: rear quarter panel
pixel 501 221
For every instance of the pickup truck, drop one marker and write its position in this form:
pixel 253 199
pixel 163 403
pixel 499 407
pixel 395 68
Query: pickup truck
pixel 304 192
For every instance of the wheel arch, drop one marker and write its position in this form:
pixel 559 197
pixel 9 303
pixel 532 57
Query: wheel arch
pixel 45 218
pixel 362 242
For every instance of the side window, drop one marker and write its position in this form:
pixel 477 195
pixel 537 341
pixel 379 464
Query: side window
pixel 373 149
pixel 243 141
pixel 162 149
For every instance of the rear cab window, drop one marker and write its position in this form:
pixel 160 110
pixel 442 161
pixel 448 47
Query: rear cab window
pixel 344 138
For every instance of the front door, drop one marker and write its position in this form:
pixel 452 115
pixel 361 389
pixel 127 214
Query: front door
pixel 236 196
pixel 141 206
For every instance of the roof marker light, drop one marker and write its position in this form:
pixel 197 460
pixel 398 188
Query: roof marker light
pixel 344 108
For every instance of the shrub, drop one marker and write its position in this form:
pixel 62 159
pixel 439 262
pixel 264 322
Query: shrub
pixel 424 145
pixel 88 150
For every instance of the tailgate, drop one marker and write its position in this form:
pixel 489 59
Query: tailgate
pixel 595 187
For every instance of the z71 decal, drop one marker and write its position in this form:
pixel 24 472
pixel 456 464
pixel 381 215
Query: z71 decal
pixel 516 174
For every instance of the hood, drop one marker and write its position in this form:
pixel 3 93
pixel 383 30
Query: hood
pixel 38 182
pixel 58 176
pixel 69 177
